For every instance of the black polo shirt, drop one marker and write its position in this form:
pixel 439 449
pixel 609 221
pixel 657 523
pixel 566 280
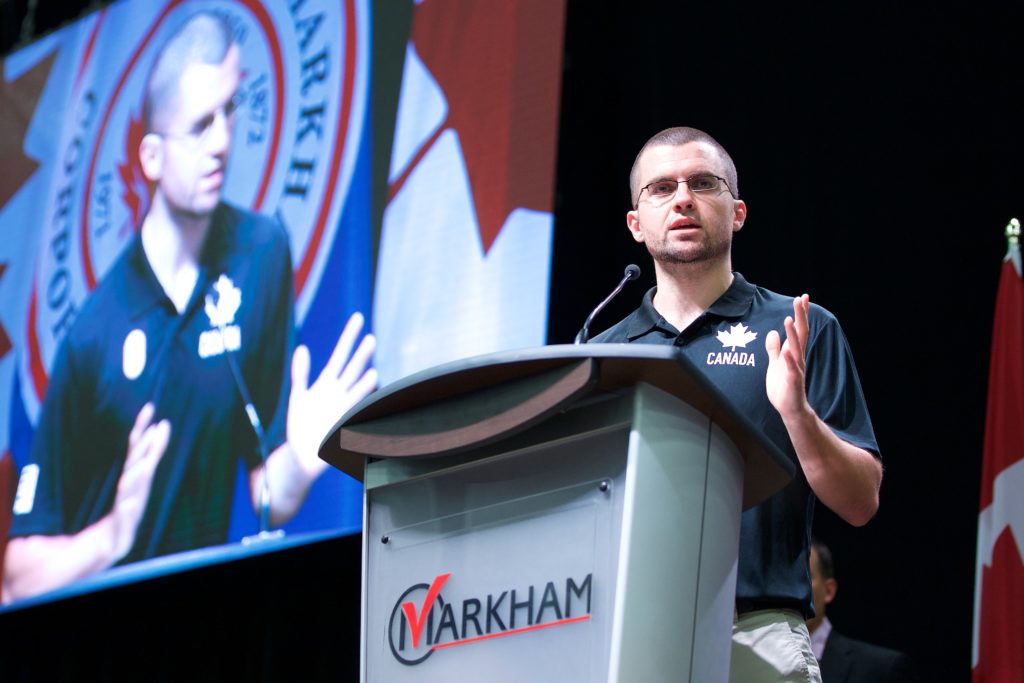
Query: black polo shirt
pixel 129 345
pixel 726 342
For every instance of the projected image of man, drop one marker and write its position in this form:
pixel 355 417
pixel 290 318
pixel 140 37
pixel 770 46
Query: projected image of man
pixel 143 423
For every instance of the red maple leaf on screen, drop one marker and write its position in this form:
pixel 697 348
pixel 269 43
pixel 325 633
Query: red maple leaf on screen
pixel 138 191
pixel 499 65
pixel 18 101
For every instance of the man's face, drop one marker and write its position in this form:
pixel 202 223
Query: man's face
pixel 196 136
pixel 823 591
pixel 687 227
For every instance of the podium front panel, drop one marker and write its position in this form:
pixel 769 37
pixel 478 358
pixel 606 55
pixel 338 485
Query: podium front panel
pixel 499 570
pixel 599 546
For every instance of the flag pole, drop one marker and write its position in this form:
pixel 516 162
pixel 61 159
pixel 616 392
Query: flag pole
pixel 1013 244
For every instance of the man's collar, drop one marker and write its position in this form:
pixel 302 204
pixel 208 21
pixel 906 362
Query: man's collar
pixel 820 637
pixel 142 290
pixel 733 303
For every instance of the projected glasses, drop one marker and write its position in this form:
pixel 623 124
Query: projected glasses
pixel 199 133
pixel 661 191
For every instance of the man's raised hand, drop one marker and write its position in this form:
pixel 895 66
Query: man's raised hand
pixel 787 362
pixel 344 381
pixel 147 443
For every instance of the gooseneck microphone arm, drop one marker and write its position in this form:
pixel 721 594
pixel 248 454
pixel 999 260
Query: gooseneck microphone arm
pixel 263 500
pixel 261 439
pixel 265 532
pixel 632 273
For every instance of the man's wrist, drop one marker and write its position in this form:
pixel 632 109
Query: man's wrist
pixel 800 417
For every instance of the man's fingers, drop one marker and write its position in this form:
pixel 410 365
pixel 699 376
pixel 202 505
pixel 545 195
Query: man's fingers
pixel 161 437
pixel 800 307
pixel 344 346
pixel 153 442
pixel 792 337
pixel 772 344
pixel 144 456
pixel 142 420
pixel 362 388
pixel 356 366
pixel 793 361
pixel 300 369
pixel 136 482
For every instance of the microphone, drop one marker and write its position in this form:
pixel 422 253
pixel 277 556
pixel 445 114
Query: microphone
pixel 212 299
pixel 261 438
pixel 632 273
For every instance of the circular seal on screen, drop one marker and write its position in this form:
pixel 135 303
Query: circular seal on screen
pixel 304 94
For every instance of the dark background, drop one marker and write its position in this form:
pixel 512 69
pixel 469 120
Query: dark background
pixel 879 153
pixel 878 149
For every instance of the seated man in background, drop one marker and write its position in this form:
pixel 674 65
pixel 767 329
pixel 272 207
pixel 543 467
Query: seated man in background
pixel 843 659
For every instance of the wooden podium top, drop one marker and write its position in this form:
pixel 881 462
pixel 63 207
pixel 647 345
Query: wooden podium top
pixel 477 401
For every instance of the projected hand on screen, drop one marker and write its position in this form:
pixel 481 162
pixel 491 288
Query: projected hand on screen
pixel 39 563
pixel 146 445
pixel 312 411
pixel 344 381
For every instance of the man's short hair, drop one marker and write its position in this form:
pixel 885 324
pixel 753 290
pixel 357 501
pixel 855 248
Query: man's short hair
pixel 675 137
pixel 204 39
pixel 825 565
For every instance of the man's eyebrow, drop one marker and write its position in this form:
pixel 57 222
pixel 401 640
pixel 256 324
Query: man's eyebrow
pixel 662 178
pixel 207 118
pixel 204 121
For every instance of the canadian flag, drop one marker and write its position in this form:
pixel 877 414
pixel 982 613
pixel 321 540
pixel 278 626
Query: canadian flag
pixel 998 649
pixel 466 236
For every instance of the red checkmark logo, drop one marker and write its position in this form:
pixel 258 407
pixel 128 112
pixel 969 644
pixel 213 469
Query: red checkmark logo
pixel 416 623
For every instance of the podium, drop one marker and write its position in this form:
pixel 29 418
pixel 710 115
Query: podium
pixel 561 513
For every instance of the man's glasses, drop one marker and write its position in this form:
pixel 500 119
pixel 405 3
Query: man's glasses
pixel 198 134
pixel 663 190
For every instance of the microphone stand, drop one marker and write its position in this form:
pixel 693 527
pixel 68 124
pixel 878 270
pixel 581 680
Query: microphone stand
pixel 265 532
pixel 632 273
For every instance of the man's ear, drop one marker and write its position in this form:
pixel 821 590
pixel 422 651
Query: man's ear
pixel 633 223
pixel 151 156
pixel 831 588
pixel 739 215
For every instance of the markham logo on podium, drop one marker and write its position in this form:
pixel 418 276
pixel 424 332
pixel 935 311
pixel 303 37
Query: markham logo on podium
pixel 424 621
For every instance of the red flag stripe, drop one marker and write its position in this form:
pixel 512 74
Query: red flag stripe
pixel 1004 429
pixel 998 655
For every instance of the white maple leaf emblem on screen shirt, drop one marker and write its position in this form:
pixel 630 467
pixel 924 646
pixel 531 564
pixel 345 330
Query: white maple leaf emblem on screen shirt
pixel 228 299
pixel 737 335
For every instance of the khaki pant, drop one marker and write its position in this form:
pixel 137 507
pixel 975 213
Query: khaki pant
pixel 772 646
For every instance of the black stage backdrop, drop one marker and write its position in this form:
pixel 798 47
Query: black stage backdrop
pixel 879 151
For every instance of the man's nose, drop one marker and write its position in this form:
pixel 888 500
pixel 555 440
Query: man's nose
pixel 219 139
pixel 683 196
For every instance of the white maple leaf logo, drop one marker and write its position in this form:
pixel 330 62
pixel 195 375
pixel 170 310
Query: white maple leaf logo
pixel 737 335
pixel 229 298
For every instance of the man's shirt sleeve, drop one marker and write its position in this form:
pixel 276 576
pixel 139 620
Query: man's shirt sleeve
pixel 833 386
pixel 40 510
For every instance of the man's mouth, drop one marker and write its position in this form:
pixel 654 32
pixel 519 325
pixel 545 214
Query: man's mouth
pixel 684 224
pixel 215 178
